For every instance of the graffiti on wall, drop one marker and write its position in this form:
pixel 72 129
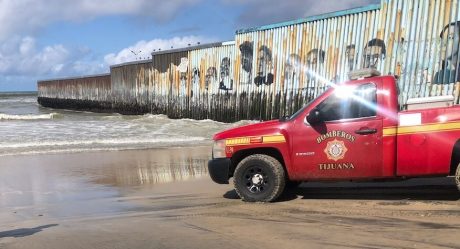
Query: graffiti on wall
pixel 350 54
pixel 196 76
pixel 226 82
pixel 315 62
pixel 264 67
pixel 213 78
pixel 210 77
pixel 183 68
pixel 261 59
pixel 292 69
pixel 315 58
pixel 374 52
pixel 450 42
pixel 247 52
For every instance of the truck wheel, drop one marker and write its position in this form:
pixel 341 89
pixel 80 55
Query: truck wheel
pixel 259 178
pixel 457 177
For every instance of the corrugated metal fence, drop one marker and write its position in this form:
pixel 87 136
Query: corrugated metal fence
pixel 92 93
pixel 131 86
pixel 273 70
pixel 184 83
pixel 95 88
pixel 417 40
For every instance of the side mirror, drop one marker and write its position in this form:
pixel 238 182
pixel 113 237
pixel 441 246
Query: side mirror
pixel 314 117
pixel 284 118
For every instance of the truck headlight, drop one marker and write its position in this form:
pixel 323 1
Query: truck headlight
pixel 218 149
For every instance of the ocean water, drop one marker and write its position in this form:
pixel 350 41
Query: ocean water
pixel 27 128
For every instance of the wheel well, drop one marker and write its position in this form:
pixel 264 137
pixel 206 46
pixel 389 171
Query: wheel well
pixel 240 155
pixel 455 159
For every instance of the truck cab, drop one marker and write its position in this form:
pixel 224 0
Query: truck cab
pixel 353 131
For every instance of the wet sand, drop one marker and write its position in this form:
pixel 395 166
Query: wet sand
pixel 163 198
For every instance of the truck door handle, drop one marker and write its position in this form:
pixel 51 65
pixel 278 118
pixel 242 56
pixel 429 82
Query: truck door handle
pixel 366 131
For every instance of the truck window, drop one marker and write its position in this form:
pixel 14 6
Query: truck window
pixel 301 110
pixel 360 103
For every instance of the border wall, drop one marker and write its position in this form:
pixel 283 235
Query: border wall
pixel 131 85
pixel 271 71
pixel 91 93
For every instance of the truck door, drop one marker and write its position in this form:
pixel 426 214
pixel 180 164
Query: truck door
pixel 346 141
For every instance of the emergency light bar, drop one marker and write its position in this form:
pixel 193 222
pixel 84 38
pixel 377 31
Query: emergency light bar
pixel 363 73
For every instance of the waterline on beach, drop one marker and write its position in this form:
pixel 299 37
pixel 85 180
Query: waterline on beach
pixel 26 128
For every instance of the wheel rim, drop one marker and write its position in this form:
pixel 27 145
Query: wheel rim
pixel 457 176
pixel 256 180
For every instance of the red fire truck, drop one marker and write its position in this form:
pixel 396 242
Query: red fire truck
pixel 353 131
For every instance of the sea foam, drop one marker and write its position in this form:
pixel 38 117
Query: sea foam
pixel 28 116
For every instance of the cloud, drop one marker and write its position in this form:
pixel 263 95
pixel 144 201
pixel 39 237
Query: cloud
pixel 21 57
pixel 23 17
pixel 143 49
pixel 22 63
pixel 260 12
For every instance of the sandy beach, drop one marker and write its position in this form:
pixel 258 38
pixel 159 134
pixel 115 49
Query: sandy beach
pixel 163 198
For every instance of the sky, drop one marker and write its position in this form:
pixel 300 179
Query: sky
pixel 47 39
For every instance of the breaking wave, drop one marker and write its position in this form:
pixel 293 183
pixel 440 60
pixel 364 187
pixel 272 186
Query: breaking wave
pixel 29 116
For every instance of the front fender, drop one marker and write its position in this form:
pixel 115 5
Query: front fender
pixel 278 151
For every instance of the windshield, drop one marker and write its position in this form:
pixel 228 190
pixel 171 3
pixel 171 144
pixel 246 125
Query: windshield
pixel 297 113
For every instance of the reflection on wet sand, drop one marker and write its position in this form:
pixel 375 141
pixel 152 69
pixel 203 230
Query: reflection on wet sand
pixel 149 167
pixel 165 166
pixel 91 183
pixel 191 168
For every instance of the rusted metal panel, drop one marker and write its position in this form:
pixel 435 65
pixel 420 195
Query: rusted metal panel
pixel 131 87
pixel 89 93
pixel 196 82
pixel 93 88
pixel 293 64
pixel 407 38
pixel 200 82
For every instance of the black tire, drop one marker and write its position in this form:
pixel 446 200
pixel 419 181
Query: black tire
pixel 259 178
pixel 457 177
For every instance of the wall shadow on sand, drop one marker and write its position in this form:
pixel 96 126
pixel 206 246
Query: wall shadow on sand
pixel 24 232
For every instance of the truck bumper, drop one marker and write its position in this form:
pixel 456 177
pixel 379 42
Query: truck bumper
pixel 219 170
